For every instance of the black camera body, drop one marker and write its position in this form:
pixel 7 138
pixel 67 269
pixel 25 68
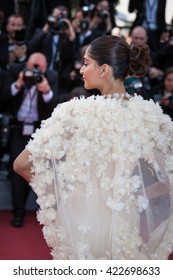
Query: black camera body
pixel 58 25
pixel 19 37
pixel 84 24
pixel 103 14
pixel 32 77
pixel 62 25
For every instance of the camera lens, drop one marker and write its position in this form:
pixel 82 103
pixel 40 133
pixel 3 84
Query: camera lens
pixel 84 24
pixel 103 14
pixel 38 78
pixel 62 25
pixel 51 20
pixel 37 74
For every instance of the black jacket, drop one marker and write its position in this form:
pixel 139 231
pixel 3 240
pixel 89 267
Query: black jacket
pixel 139 7
pixel 3 50
pixel 42 42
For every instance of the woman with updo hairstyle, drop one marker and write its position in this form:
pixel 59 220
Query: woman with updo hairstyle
pixel 123 59
pixel 102 166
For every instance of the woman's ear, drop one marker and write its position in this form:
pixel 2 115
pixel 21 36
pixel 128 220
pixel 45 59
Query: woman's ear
pixel 104 70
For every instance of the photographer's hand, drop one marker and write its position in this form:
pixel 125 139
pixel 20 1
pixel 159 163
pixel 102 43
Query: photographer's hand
pixel 70 31
pixel 17 85
pixel 43 86
pixel 108 24
pixel 45 28
pixel 19 82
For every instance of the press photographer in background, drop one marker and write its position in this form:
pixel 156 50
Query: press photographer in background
pixel 56 41
pixel 83 31
pixel 19 56
pixel 93 18
pixel 30 95
pixel 20 49
pixel 112 7
pixel 101 18
pixel 163 93
pixel 15 22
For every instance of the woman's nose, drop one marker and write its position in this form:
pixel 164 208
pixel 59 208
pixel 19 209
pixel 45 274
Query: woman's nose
pixel 81 70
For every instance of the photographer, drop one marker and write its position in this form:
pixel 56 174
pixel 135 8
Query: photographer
pixel 30 96
pixel 81 25
pixel 14 23
pixel 20 46
pixel 101 19
pixel 56 41
pixel 60 23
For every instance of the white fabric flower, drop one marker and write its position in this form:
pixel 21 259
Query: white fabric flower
pixel 135 183
pixel 142 203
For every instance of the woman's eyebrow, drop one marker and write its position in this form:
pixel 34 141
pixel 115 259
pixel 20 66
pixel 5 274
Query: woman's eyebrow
pixel 85 58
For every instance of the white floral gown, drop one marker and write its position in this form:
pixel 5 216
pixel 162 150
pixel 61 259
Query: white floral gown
pixel 103 176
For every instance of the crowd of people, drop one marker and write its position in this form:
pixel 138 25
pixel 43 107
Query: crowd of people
pixel 41 58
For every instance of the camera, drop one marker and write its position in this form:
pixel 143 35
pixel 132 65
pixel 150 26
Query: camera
pixel 19 37
pixel 87 9
pixel 32 77
pixel 52 21
pixel 103 14
pixel 84 24
pixel 58 25
pixel 62 25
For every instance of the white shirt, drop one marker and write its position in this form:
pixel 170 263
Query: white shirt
pixel 28 111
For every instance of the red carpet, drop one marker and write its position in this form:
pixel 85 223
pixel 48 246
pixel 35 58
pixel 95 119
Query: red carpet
pixel 25 243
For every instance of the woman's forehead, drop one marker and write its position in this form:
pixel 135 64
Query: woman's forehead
pixel 86 54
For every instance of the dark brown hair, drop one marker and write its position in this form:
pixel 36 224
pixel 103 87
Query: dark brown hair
pixel 116 52
pixel 166 72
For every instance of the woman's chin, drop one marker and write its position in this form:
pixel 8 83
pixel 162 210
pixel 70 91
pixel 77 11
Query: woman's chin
pixel 86 86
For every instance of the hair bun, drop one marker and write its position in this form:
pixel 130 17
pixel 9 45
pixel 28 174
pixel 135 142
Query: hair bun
pixel 139 60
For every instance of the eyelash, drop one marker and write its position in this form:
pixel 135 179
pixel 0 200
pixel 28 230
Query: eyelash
pixel 84 63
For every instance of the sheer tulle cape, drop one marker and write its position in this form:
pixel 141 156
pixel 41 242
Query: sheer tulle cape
pixel 103 176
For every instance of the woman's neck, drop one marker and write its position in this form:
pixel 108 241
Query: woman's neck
pixel 111 88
